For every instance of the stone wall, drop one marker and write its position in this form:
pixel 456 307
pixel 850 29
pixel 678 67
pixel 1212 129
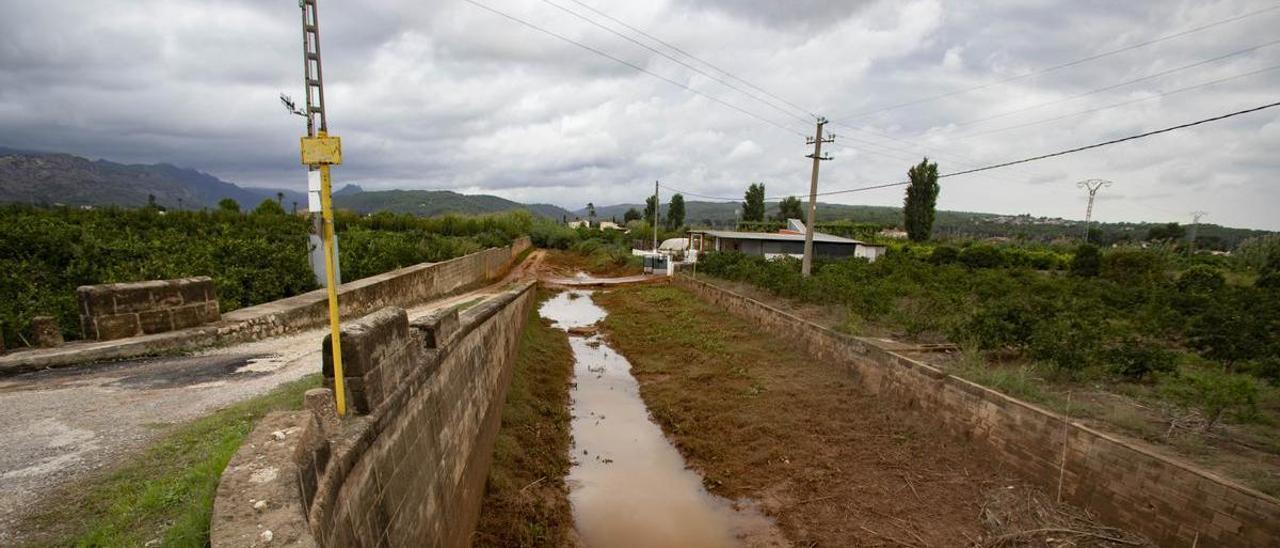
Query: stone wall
pixel 116 311
pixel 1123 482
pixel 403 287
pixel 408 466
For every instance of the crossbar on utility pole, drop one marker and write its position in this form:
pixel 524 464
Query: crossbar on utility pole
pixel 806 265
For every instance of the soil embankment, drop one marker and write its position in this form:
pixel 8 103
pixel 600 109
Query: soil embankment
pixel 836 466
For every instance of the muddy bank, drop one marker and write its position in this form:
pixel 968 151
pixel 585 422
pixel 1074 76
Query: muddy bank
pixel 836 466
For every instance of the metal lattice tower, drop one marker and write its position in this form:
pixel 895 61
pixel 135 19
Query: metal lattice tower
pixel 1092 185
pixel 314 113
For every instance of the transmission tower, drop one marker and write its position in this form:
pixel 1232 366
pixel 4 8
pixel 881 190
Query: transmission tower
pixel 1195 227
pixel 1092 185
pixel 806 266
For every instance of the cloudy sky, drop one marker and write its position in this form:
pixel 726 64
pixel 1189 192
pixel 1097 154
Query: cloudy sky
pixel 447 95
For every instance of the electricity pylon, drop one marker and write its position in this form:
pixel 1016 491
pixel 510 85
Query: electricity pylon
pixel 1093 185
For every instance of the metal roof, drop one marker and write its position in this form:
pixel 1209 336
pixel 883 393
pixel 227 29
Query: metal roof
pixel 817 237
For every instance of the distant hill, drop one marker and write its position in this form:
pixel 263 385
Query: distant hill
pixel 53 178
pixel 434 202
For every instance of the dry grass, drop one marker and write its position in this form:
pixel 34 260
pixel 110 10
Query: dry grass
pixel 760 419
pixel 526 501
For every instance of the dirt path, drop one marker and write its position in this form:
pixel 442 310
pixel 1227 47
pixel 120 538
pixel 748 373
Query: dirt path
pixel 64 424
pixel 835 465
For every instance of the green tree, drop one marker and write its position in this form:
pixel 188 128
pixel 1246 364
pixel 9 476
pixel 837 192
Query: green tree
pixel 269 207
pixel 632 214
pixel 591 210
pixel 650 207
pixel 753 204
pixel 1087 261
pixel 675 212
pixel 790 208
pixel 227 204
pixel 922 197
pixel 1170 232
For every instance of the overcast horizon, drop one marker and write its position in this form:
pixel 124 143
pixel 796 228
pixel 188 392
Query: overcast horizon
pixel 454 97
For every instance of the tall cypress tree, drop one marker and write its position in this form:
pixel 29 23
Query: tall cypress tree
pixel 753 206
pixel 675 212
pixel 922 197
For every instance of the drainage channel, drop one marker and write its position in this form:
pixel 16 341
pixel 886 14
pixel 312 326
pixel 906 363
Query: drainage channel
pixel 629 486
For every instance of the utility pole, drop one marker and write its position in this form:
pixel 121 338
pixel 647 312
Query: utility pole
pixel 1093 185
pixel 1195 227
pixel 656 208
pixel 320 151
pixel 806 266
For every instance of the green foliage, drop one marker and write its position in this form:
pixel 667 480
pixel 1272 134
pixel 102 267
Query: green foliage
pixel 1087 261
pixel 981 256
pixel 944 254
pixel 753 203
pixel 229 205
pixel 1257 252
pixel 675 212
pixel 1201 280
pixel 1132 266
pixel 790 208
pixel 1135 359
pixel 632 214
pixel 1214 393
pixel 1069 340
pixel 269 207
pixel 650 209
pixel 1171 232
pixel 918 208
pixel 46 253
pixel 1238 324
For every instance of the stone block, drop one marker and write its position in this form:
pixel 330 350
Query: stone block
pixel 188 315
pixel 134 297
pixel 95 300
pixel 438 327
pixel 155 321
pixel 211 313
pixel 45 331
pixel 117 326
pixel 366 341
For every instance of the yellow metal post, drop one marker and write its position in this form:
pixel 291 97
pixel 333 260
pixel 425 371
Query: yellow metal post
pixel 322 152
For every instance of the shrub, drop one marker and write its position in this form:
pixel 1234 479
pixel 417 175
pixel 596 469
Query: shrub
pixel 1069 341
pixel 944 254
pixel 1087 261
pixel 1201 280
pixel 1132 267
pixel 1214 393
pixel 1004 323
pixel 981 256
pixel 1135 359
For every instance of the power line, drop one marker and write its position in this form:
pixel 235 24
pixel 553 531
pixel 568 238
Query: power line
pixel 765 102
pixel 632 65
pixel 691 56
pixel 1034 158
pixel 1118 85
pixel 1061 66
pixel 1116 105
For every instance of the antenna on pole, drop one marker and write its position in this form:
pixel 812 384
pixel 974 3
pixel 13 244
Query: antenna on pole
pixel 1092 185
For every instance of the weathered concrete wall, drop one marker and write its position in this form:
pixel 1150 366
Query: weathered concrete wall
pixel 408 467
pixel 403 287
pixel 1171 501
pixel 116 311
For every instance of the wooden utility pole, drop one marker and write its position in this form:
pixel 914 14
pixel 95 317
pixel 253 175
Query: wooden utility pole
pixel 806 266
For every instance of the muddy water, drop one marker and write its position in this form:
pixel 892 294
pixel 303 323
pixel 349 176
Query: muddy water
pixel 629 487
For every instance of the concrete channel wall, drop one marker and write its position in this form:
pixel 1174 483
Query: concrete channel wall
pixel 1170 501
pixel 403 287
pixel 408 466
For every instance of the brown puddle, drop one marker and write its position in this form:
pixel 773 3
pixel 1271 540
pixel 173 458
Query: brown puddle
pixel 629 487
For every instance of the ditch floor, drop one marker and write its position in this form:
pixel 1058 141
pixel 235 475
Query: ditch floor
pixel 833 465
